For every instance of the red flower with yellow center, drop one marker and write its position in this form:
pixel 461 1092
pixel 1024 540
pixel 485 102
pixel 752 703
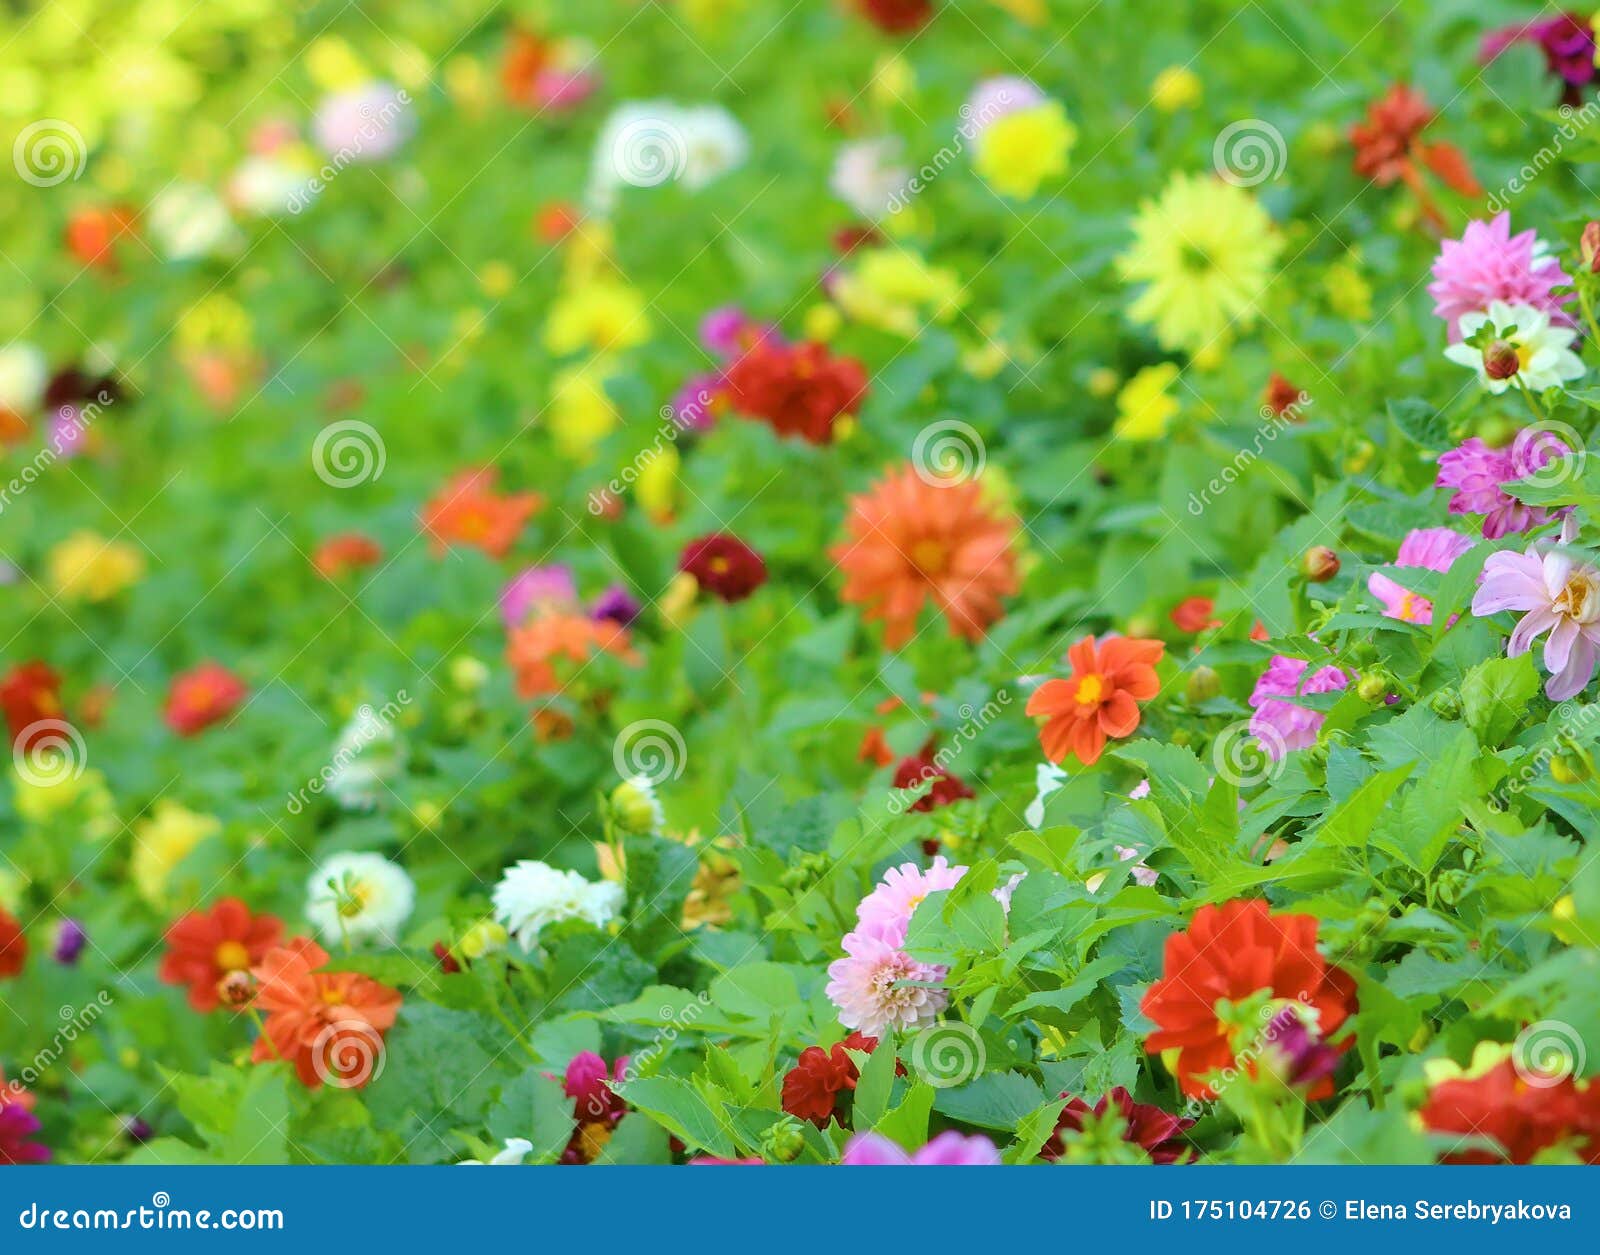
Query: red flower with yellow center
pixel 206 949
pixel 1523 1119
pixel 724 565
pixel 30 695
pixel 202 696
pixel 798 388
pixel 1223 979
pixel 1100 700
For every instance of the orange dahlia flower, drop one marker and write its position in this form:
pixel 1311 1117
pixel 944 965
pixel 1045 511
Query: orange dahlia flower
pixel 531 648
pixel 468 511
pixel 330 1025
pixel 912 541
pixel 206 948
pixel 1100 700
pixel 1234 952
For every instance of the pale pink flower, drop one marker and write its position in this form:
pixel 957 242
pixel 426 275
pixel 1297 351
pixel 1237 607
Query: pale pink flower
pixel 1433 548
pixel 878 987
pixel 1558 594
pixel 949 1150
pixel 1487 264
pixel 886 911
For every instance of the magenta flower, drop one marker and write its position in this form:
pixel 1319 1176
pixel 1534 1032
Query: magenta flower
pixel 17 1125
pixel 886 911
pixel 617 604
pixel 537 588
pixel 877 986
pixel 1559 595
pixel 1488 263
pixel 1280 726
pixel 696 404
pixel 1295 1052
pixel 949 1150
pixel 1567 43
pixel 1476 473
pixel 1432 548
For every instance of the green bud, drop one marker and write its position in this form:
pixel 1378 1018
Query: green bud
pixel 1373 687
pixel 1203 685
pixel 783 1141
pixel 634 807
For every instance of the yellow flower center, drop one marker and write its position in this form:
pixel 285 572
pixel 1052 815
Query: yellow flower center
pixel 1090 690
pixel 928 556
pixel 1580 599
pixel 231 956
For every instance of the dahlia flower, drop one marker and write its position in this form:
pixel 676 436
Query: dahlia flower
pixel 885 913
pixel 329 1025
pixel 365 124
pixel 878 987
pixel 724 566
pixel 868 176
pixel 1020 150
pixel 468 511
pixel 17 1125
pixel 1280 726
pixel 205 947
pixel 532 894
pixel 1567 41
pixel 1432 549
pixel 1535 355
pixel 1101 699
pixel 356 896
pixel 13 946
pixel 201 696
pixel 1489 264
pixel 1557 594
pixel 950 1149
pixel 540 588
pixel 1476 472
pixel 1158 1133
pixel 1521 1119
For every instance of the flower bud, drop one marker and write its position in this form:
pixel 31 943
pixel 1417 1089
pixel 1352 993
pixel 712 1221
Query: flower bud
pixel 1589 246
pixel 1320 564
pixel 1203 685
pixel 484 937
pixel 783 1141
pixel 634 807
pixel 1446 703
pixel 1373 687
pixel 1500 359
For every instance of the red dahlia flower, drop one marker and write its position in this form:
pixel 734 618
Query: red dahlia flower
pixel 1101 699
pixel 206 948
pixel 921 767
pixel 13 946
pixel 339 555
pixel 1193 614
pixel 897 17
pixel 1524 1119
pixel 1234 953
pixel 724 565
pixel 30 695
pixel 1159 1132
pixel 202 696
pixel 798 388
pixel 813 1085
pixel 1390 149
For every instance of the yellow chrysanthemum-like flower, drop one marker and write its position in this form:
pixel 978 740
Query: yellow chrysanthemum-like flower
pixel 1145 409
pixel 897 291
pixel 41 797
pixel 1349 294
pixel 1176 87
pixel 1018 152
pixel 597 317
pixel 162 841
pixel 88 567
pixel 1205 251
pixel 581 415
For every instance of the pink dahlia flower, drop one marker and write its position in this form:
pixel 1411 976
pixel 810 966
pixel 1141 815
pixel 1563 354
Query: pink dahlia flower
pixel 1488 263
pixel 1476 472
pixel 994 98
pixel 886 911
pixel 1432 548
pixel 1281 726
pixel 537 588
pixel 877 986
pixel 1559 595
pixel 949 1150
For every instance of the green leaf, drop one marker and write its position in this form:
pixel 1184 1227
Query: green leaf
pixel 1495 697
pixel 996 1100
pixel 535 1106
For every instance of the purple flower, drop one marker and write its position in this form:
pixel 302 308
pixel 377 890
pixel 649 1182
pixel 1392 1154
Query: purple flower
pixel 696 403
pixel 1281 726
pixel 1566 41
pixel 1431 548
pixel 1297 1054
pixel 950 1149
pixel 17 1124
pixel 137 1129
pixel 1476 472
pixel 70 940
pixel 616 604
pixel 1487 264
pixel 1557 594
pixel 727 332
pixel 537 588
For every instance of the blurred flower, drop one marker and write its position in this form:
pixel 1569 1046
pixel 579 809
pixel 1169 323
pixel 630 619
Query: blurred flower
pixel 71 938
pixel 202 696
pixel 531 894
pixel 995 97
pixel 580 414
pixel 340 555
pixel 897 17
pixel 1176 87
pixel 724 566
pixel 617 604
pixel 547 74
pixel 1101 700
pixel 868 175
pixel 657 486
pixel 1193 614
pixel 1233 956
pixel 1022 149
pixel 161 841
pixel 533 647
pixel 635 808
pixel 911 542
pixel 13 946
pixel 359 896
pixel 540 589
pixel 24 372
pixel 1158 1133
pixel 1281 726
pixel 918 769
pixel 188 221
pixel 597 317
pixel 367 754
pixel 896 291
pixel 1145 407
pixel 1205 250
pixel 1294 1051
pixel 1537 354
pixel 94 232
pixel 17 1125
pixel 650 142
pixel 1523 1120
pixel 800 389
pixel 329 1025
pixel 204 947
pixel 87 567
pixel 30 695
pixel 364 124
pixel 468 511
pixel 949 1149
pixel 1556 593
pixel 1567 41
pixel 1477 473
pixel 1431 548
pixel 1390 149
